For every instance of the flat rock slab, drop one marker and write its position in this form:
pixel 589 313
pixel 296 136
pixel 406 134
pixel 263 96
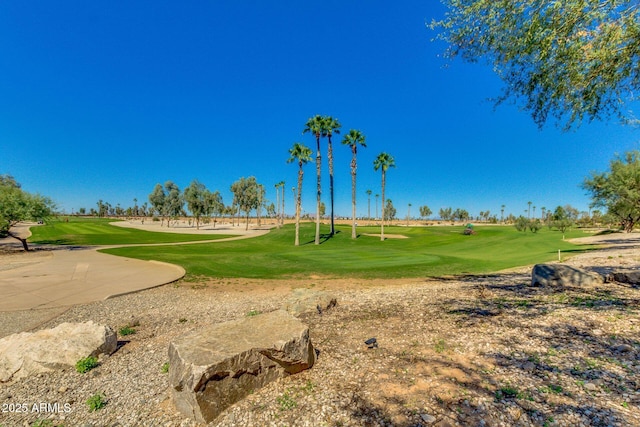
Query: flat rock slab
pixel 214 367
pixel 29 353
pixel 303 300
pixel 563 275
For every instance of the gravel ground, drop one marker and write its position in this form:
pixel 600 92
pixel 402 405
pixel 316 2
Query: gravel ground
pixel 473 351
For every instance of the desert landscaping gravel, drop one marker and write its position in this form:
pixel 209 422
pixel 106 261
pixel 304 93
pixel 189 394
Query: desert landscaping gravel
pixel 471 351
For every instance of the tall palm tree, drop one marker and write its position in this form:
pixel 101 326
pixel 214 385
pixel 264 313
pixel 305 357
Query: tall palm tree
pixel 377 195
pixel 502 213
pixel 368 204
pixel 277 186
pixel 282 212
pixel 301 154
pixel 352 139
pixel 315 125
pixel 384 161
pixel 529 214
pixel 330 126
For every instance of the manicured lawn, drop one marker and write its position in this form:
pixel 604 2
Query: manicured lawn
pixel 428 251
pixel 97 231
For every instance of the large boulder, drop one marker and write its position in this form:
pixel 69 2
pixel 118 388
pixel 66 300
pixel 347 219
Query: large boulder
pixel 303 300
pixel 30 353
pixel 562 275
pixel 630 277
pixel 214 367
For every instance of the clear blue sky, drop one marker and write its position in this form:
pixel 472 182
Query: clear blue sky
pixel 102 100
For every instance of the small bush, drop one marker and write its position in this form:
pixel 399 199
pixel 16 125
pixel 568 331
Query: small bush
pixel 97 401
pixel 286 402
pixel 42 423
pixel 165 368
pixel 507 393
pixel 253 313
pixel 86 364
pixel 127 330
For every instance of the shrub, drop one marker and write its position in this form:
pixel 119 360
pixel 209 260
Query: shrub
pixel 521 223
pixel 95 402
pixel 127 330
pixel 535 225
pixel 165 368
pixel 86 364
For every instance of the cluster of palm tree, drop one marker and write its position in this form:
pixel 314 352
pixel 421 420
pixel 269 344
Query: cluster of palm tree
pixel 325 127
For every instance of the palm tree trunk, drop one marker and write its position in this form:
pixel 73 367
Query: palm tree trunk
pixel 330 158
pixel 353 196
pixel 382 221
pixel 282 214
pixel 278 206
pixel 298 203
pixel 319 193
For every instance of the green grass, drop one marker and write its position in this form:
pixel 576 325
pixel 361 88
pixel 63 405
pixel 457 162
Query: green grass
pixel 428 251
pixel 97 231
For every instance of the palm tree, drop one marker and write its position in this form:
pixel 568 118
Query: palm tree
pixel 352 139
pixel 384 161
pixel 282 212
pixel 330 126
pixel 315 125
pixel 408 214
pixel 502 213
pixel 302 155
pixel 277 186
pixel 529 212
pixel 369 204
pixel 377 195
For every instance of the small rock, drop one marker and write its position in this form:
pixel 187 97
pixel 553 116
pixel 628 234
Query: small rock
pixel 590 387
pixel 427 418
pixel 529 367
pixel 63 389
pixel 622 348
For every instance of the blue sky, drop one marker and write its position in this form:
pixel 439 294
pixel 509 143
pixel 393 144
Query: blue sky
pixel 102 100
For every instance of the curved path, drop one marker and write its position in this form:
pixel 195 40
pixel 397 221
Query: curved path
pixel 68 276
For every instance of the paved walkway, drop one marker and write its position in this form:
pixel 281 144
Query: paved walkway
pixel 67 276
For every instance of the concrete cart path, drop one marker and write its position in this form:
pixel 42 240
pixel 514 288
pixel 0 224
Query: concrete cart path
pixel 65 277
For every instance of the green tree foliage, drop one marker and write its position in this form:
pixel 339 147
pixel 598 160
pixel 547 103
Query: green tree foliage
pixel 445 214
pixel 460 215
pixel 300 154
pixel 618 190
pixel 246 195
pixel 390 212
pixel 157 198
pixel 425 212
pixel 196 197
pixel 16 205
pixel 562 218
pixel 571 60
pixel 214 205
pixel 521 223
pixel 174 201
